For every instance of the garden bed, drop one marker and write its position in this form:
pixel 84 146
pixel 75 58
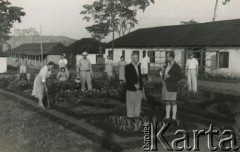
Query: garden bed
pixel 108 99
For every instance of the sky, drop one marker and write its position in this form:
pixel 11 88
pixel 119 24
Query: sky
pixel 63 18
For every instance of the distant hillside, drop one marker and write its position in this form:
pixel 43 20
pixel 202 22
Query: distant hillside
pixel 16 41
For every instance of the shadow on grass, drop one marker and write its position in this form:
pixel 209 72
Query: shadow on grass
pixel 109 144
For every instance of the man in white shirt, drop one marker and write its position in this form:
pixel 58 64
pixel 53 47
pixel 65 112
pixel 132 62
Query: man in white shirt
pixel 145 64
pixel 84 71
pixel 191 71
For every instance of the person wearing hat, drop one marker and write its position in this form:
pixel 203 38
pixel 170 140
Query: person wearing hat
pixel 191 71
pixel 84 71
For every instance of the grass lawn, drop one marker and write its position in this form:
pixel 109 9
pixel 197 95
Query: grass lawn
pixel 23 130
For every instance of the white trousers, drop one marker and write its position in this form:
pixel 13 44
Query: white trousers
pixel 23 69
pixel 133 103
pixel 144 70
pixel 192 80
pixel 86 77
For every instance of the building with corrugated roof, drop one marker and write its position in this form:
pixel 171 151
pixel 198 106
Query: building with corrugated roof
pixel 90 45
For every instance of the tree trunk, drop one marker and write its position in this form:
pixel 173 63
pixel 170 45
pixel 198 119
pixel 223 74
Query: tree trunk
pixel 1 45
pixel 215 11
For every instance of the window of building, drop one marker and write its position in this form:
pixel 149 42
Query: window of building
pixel 223 59
pixel 151 55
pixel 123 53
pixel 110 53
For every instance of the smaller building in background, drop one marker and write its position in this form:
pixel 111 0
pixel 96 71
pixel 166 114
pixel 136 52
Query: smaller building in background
pixel 3 62
pixel 51 52
pixel 90 45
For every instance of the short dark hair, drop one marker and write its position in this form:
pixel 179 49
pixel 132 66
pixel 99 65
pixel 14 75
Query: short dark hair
pixel 51 63
pixel 133 54
pixel 121 57
pixel 171 54
pixel 62 68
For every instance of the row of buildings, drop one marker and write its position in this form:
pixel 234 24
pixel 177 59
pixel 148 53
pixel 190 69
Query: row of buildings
pixel 53 52
pixel 216 45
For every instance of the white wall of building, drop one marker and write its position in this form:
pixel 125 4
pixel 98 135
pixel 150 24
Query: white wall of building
pixel 54 58
pixel 91 57
pixel 234 63
pixel 160 54
pixel 33 61
pixel 3 63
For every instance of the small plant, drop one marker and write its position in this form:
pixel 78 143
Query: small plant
pixel 129 125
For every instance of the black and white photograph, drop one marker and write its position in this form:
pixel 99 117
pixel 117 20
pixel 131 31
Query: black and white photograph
pixel 119 75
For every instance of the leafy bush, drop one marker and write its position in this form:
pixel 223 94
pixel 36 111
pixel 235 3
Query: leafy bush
pixel 236 111
pixel 20 85
pixel 184 92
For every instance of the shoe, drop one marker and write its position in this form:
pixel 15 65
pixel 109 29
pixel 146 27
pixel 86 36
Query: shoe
pixel 42 106
pixel 166 120
pixel 176 122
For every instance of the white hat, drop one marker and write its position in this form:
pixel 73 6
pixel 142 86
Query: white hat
pixel 84 53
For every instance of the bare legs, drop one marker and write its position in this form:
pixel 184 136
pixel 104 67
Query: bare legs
pixel 40 102
pixel 169 105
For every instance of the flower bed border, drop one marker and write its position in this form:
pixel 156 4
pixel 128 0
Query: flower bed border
pixel 108 144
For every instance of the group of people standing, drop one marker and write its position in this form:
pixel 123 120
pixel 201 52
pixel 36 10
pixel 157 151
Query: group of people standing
pixel 133 74
pixel 84 75
pixel 121 68
pixel 109 64
pixel 170 75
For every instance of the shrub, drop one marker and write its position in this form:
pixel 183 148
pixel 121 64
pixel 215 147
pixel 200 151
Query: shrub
pixel 19 84
pixel 128 125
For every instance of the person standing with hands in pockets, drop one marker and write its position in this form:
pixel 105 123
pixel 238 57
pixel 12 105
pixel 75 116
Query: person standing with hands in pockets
pixel 84 71
pixel 191 71
pixel 134 86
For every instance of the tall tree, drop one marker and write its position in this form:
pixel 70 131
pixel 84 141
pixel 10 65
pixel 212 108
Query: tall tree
pixel 113 15
pixel 26 32
pixel 8 15
pixel 224 2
